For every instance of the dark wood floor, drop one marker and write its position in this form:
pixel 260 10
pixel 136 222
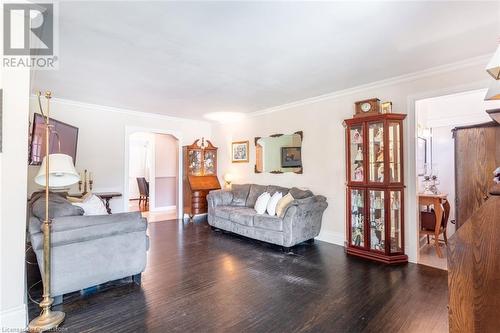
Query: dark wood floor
pixel 198 280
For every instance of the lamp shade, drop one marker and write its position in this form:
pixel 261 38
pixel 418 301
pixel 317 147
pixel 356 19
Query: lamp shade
pixel 228 178
pixel 493 67
pixel 61 171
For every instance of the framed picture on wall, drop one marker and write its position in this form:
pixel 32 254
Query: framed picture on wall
pixel 421 156
pixel 239 151
pixel 291 157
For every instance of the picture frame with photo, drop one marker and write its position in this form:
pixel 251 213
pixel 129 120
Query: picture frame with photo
pixel 240 152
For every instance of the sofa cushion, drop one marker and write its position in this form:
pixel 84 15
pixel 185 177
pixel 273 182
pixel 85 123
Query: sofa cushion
pixel 243 216
pixel 268 222
pixel 273 189
pixel 58 207
pixel 297 193
pixel 225 211
pixel 240 194
pixel 254 193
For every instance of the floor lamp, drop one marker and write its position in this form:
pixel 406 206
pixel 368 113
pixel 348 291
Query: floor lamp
pixel 56 171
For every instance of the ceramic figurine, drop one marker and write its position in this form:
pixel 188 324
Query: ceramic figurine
pixel 359 155
pixel 356 137
pixel 380 155
pixel 358 173
pixel 379 137
pixel 380 172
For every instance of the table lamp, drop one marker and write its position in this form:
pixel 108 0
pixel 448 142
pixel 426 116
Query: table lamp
pixel 57 170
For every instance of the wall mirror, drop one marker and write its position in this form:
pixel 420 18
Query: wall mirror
pixel 279 153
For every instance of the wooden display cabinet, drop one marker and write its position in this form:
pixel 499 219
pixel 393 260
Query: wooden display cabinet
pixel 375 189
pixel 200 176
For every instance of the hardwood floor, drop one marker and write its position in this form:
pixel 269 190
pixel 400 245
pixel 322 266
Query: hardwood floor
pixel 199 280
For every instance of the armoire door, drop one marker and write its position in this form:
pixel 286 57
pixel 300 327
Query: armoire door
pixel 477 154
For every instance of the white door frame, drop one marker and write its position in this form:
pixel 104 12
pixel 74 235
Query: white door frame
pixel 411 179
pixel 129 130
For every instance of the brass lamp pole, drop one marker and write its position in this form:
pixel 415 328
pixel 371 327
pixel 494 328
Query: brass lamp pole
pixel 47 319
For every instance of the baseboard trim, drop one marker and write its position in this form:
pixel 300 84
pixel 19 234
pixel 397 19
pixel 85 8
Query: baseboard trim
pixel 336 238
pixel 14 319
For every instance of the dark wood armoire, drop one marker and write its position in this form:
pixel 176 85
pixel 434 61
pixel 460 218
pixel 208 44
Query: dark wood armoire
pixel 477 154
pixel 199 177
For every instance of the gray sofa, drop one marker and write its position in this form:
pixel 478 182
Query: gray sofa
pixel 88 250
pixel 234 211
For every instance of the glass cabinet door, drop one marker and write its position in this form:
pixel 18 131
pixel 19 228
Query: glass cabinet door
pixel 209 161
pixel 357 199
pixel 395 217
pixel 376 152
pixel 194 160
pixel 377 220
pixel 394 152
pixel 356 152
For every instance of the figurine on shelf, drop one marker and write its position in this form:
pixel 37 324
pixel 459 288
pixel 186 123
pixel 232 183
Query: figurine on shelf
pixel 359 155
pixel 377 203
pixel 394 204
pixel 358 172
pixel 357 236
pixel 380 155
pixel 380 172
pixel 379 137
pixel 359 200
pixel 356 137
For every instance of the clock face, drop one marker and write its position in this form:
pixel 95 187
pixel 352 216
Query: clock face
pixel 365 107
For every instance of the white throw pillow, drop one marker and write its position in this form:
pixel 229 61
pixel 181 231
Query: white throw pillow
pixel 273 202
pixel 92 206
pixel 261 203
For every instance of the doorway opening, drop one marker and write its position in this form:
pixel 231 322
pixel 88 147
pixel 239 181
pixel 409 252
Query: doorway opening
pixel 153 175
pixel 436 161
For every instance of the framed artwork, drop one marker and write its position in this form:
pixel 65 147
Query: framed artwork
pixel 421 156
pixel 291 157
pixel 386 107
pixel 239 151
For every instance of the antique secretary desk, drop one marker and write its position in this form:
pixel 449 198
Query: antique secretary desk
pixel 375 210
pixel 199 176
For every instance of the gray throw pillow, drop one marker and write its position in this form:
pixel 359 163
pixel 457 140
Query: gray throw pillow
pixel 58 206
pixel 274 188
pixel 297 193
pixel 255 191
pixel 240 194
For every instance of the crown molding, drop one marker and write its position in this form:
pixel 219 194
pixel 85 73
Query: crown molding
pixel 128 112
pixel 480 60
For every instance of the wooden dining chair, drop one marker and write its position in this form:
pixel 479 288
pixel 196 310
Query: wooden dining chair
pixel 143 190
pixel 429 226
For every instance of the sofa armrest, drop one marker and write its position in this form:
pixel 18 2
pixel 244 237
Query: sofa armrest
pixel 219 198
pixel 302 219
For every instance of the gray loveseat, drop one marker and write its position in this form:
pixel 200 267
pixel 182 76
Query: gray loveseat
pixel 234 211
pixel 88 250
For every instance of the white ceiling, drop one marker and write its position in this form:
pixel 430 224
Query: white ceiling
pixel 188 59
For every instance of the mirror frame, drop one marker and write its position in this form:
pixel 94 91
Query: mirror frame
pixel 300 133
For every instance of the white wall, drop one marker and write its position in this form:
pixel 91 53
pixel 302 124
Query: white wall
pixel 323 150
pixel 166 170
pixel 101 140
pixel 13 186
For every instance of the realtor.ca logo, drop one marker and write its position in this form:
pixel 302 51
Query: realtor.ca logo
pixel 29 36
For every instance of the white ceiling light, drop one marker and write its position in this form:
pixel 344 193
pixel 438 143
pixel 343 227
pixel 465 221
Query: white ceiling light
pixel 225 117
pixel 493 67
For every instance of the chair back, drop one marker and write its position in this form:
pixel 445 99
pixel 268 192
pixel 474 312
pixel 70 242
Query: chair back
pixel 143 186
pixel 428 219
